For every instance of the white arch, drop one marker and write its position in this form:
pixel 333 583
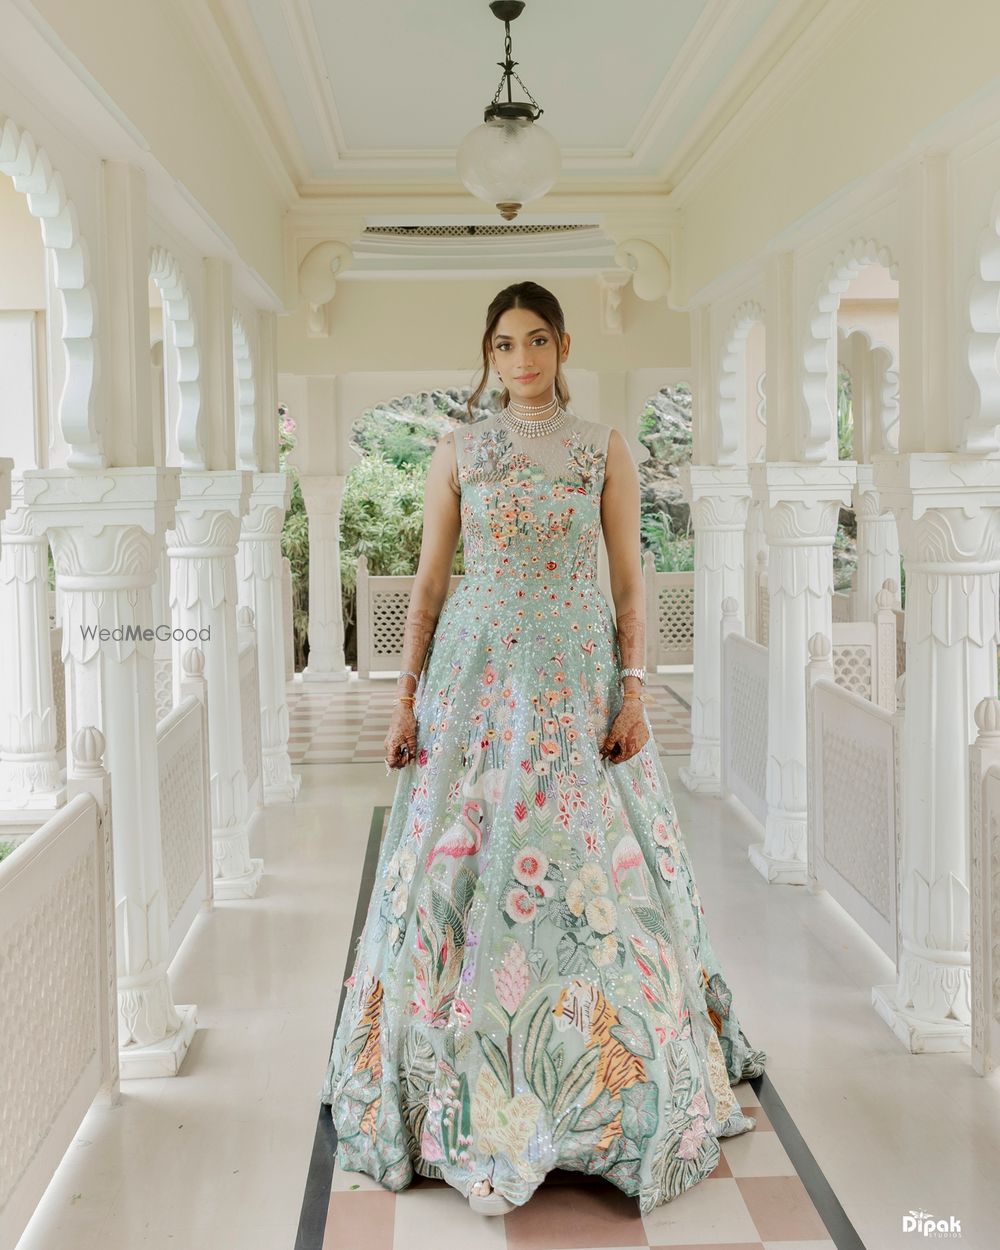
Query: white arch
pixel 29 168
pixel 178 313
pixel 730 434
pixel 818 358
pixel 981 429
pixel 245 392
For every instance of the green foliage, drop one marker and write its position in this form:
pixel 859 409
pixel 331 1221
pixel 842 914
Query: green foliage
pixel 845 416
pixel 381 518
pixel 5 849
pixel 405 439
pixel 295 539
pixel 671 554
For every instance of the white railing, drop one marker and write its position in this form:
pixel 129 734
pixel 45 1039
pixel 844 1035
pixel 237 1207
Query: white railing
pixel 185 804
pixel 763 606
pixel 163 677
pixel 669 616
pixel 58 996
pixel 382 604
pixel 744 714
pixel 852 783
pixel 250 706
pixel 864 653
pixel 984 884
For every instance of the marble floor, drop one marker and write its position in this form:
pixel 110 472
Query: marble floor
pixel 236 1153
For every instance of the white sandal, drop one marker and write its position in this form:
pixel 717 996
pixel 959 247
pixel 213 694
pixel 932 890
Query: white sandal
pixel 491 1203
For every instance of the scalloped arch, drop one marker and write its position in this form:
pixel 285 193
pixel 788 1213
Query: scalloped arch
pixel 981 429
pixel 245 391
pixel 30 169
pixel 730 434
pixel 178 311
pixel 818 364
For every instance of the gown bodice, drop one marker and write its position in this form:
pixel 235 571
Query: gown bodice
pixel 531 506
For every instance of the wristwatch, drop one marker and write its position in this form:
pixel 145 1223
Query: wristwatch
pixel 635 672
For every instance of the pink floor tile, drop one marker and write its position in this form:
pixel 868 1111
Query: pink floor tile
pixel 781 1208
pixel 360 1221
pixel 576 1217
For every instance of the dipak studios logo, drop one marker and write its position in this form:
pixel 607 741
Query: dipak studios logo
pixel 925 1225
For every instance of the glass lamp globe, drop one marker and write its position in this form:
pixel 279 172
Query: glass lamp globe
pixel 507 162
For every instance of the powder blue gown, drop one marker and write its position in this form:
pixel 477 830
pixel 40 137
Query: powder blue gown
pixel 534 986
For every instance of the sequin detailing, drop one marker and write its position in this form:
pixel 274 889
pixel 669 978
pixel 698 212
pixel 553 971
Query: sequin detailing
pixel 534 986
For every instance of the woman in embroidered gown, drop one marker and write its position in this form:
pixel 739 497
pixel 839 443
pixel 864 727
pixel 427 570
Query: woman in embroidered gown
pixel 534 986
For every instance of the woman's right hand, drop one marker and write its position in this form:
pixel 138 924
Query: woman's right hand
pixel 401 739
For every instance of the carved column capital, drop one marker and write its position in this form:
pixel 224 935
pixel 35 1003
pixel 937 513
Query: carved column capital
pixel 801 502
pixel 719 496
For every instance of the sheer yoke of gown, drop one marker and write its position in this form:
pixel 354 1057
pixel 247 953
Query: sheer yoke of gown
pixel 534 986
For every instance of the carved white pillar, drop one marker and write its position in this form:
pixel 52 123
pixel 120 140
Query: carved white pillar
pixel 948 513
pixel 106 527
pixel 802 503
pixel 260 575
pixel 203 599
pixel 718 495
pixel 29 768
pixel 323 497
pixel 878 545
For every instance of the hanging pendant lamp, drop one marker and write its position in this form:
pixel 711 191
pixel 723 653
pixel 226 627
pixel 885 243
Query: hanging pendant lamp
pixel 509 160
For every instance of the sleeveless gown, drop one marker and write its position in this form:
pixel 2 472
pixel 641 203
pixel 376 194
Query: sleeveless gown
pixel 534 986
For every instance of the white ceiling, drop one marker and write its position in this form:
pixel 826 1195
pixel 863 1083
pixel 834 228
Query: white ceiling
pixel 388 88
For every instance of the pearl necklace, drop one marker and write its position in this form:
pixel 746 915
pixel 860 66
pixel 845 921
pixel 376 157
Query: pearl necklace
pixel 533 428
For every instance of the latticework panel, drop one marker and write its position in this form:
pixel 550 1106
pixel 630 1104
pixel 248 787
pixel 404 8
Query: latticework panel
pixel 852 668
pixel 675 624
pixel 48 988
pixel 182 815
pixel 763 614
pixel 163 685
pixel 388 618
pixel 856 817
pixel 994 916
pixel 748 728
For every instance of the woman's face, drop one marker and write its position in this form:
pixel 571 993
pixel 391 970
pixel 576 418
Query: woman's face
pixel 523 344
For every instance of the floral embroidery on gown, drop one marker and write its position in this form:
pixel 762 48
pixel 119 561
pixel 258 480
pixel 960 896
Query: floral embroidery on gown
pixel 534 986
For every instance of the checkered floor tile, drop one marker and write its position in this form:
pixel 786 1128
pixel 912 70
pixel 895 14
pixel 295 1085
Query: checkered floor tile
pixel 754 1199
pixel 347 723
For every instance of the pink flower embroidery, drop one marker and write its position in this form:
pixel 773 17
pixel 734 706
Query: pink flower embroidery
pixel 511 978
pixel 520 906
pixel 530 865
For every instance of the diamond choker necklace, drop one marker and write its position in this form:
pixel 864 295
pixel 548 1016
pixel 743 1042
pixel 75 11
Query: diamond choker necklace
pixel 533 428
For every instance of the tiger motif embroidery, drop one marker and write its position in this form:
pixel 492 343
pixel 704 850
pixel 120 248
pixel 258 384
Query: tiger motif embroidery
pixel 583 1007
pixel 370 1057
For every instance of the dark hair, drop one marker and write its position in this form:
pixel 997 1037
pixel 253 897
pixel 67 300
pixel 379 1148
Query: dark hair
pixel 538 300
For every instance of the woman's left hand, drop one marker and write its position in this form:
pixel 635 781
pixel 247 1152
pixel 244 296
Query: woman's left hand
pixel 628 733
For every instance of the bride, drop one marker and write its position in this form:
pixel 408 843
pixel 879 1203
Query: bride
pixel 534 986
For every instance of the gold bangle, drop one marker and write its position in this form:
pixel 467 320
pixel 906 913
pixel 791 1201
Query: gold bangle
pixel 406 698
pixel 635 694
